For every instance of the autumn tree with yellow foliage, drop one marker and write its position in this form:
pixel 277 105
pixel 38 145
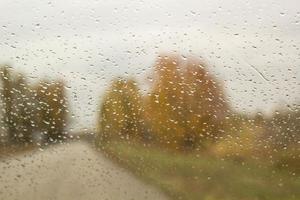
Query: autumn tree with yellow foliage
pixel 121 111
pixel 184 108
pixel 51 113
pixel 186 105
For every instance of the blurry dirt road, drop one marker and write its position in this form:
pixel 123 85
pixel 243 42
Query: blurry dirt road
pixel 69 172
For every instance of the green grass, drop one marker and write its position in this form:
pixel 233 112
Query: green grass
pixel 191 176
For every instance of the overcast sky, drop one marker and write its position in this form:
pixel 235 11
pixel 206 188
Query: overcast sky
pixel 252 46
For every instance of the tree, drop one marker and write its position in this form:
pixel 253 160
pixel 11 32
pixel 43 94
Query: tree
pixel 186 105
pixel 29 109
pixel 51 110
pixel 205 104
pixel 7 98
pixel 283 127
pixel 23 109
pixel 121 112
pixel 17 108
pixel 164 104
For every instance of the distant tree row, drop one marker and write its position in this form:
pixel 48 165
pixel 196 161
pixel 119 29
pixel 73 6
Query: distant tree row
pixel 32 111
pixel 274 138
pixel 185 106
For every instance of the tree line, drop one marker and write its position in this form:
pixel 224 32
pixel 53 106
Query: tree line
pixel 32 112
pixel 185 107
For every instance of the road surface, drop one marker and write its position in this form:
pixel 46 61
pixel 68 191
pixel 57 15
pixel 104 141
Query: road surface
pixel 69 172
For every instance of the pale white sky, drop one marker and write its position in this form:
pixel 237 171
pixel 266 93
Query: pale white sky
pixel 90 42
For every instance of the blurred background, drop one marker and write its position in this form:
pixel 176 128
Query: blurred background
pixel 199 99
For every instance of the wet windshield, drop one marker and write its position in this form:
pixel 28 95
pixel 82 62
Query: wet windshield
pixel 163 99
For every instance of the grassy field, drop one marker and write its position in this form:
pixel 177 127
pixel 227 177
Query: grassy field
pixel 190 176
